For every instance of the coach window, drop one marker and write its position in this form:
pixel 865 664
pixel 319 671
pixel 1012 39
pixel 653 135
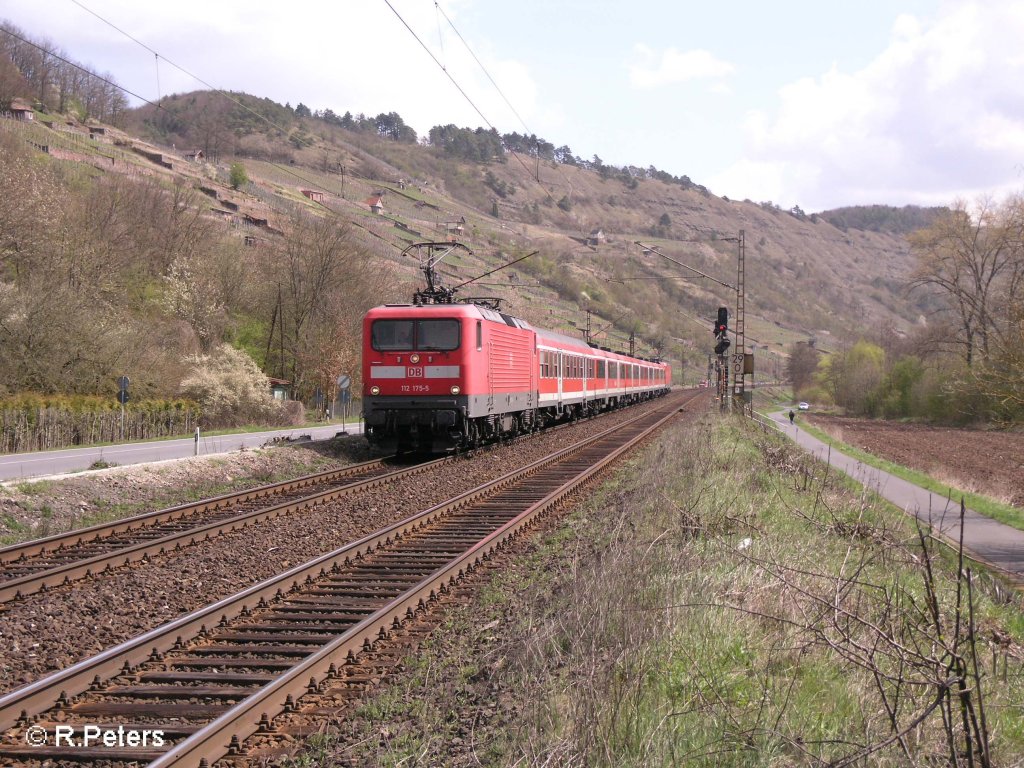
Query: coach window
pixel 479 335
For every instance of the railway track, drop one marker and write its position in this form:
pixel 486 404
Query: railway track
pixel 42 564
pixel 203 684
pixel 45 563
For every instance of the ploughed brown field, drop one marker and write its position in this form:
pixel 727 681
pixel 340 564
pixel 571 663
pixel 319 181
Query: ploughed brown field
pixel 987 462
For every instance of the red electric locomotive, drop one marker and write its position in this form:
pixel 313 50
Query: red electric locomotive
pixel 440 375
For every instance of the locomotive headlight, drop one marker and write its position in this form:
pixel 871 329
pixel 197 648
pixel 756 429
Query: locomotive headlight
pixel 414 359
pixel 375 390
pixel 456 389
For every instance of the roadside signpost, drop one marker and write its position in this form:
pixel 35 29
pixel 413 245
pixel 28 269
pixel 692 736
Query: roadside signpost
pixel 344 387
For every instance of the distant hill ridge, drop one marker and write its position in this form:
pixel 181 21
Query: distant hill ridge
pixel 883 218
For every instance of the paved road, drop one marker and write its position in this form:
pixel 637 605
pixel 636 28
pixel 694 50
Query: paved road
pixel 23 465
pixel 988 539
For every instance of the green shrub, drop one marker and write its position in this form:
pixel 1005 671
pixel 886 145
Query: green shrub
pixel 230 388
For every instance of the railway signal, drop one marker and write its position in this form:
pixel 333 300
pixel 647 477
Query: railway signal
pixel 722 331
pixel 722 325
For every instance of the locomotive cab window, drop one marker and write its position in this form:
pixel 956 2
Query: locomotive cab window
pixel 406 335
pixel 387 335
pixel 439 335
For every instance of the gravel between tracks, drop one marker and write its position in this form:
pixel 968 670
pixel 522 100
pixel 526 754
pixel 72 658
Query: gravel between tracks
pixel 46 632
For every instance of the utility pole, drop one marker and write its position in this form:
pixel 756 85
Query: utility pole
pixel 742 366
pixel 730 394
pixel 586 334
pixel 722 358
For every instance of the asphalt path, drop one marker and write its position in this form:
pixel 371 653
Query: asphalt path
pixel 986 539
pixel 15 466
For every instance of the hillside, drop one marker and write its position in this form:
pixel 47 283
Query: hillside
pixel 805 278
pixel 804 274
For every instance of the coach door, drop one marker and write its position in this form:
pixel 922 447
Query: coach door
pixel 561 372
pixel 586 377
pixel 490 376
pixel 533 396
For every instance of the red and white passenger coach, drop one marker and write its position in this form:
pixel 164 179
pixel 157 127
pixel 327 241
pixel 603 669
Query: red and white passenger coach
pixel 437 377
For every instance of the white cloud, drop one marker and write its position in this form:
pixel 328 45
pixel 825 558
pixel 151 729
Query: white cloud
pixel 938 114
pixel 672 66
pixel 357 56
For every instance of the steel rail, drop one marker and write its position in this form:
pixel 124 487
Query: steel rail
pixel 61 541
pixel 33 699
pixel 142 531
pixel 16 588
pixel 228 732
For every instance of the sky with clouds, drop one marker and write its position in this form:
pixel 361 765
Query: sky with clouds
pixel 801 102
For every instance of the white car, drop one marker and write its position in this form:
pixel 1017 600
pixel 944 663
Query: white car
pixel 804 406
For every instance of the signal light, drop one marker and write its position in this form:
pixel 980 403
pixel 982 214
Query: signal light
pixel 722 331
pixel 722 325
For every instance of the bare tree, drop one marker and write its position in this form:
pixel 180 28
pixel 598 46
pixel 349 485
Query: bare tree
pixel 322 282
pixel 974 259
pixel 803 360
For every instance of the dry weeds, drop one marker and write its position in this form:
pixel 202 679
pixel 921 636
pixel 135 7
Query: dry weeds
pixel 724 602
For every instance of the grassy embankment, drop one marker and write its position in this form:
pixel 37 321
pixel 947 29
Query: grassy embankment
pixel 720 600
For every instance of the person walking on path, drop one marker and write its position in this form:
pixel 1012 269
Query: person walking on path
pixel 791 416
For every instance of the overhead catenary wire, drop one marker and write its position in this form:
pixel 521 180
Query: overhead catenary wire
pixel 215 89
pixel 79 67
pixel 460 89
pixel 268 121
pixel 156 56
pixel 312 183
pixel 500 92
